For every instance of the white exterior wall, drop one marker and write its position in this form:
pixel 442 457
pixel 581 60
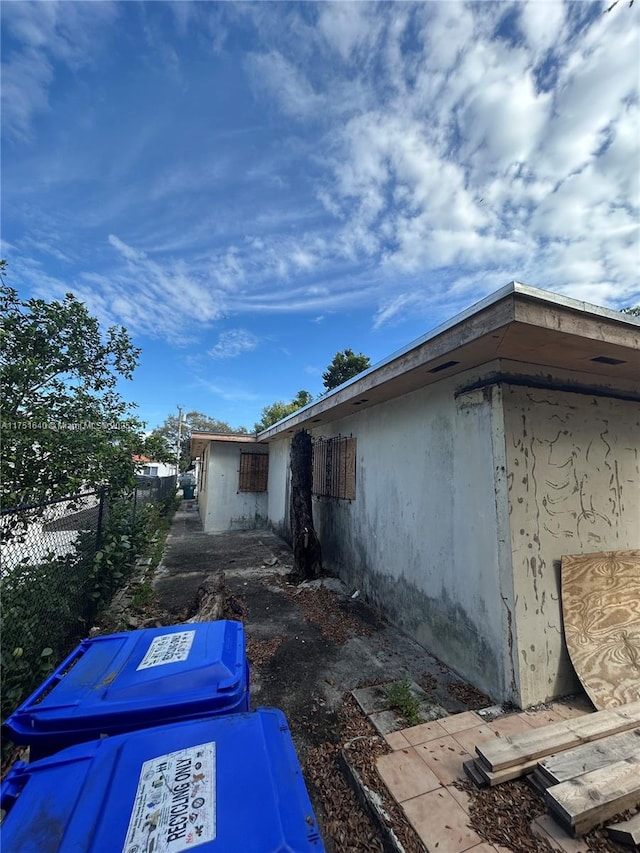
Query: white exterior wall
pixel 222 506
pixel 164 468
pixel 203 484
pixel 279 487
pixel 420 538
pixel 573 464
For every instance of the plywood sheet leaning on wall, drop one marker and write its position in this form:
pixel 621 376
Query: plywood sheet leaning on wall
pixel 601 613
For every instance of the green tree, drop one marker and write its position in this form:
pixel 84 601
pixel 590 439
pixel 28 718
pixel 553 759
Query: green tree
pixel 278 410
pixel 344 366
pixel 64 426
pixel 634 311
pixel 191 422
pixel 158 449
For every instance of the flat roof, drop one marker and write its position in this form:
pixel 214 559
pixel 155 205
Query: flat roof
pixel 518 323
pixel 199 440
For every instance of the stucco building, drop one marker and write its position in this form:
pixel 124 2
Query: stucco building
pixel 451 478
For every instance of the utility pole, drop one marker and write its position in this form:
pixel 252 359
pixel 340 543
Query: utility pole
pixel 179 448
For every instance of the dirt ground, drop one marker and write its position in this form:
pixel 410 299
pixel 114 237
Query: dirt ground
pixel 308 647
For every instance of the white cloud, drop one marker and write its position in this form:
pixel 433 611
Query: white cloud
pixel 232 392
pixel 25 81
pixel 280 78
pixel 145 296
pixel 426 162
pixel 351 29
pixel 472 166
pixel 67 33
pixel 233 343
pixel 394 307
pixel 541 22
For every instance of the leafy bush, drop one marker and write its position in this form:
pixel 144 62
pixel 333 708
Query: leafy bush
pixel 45 609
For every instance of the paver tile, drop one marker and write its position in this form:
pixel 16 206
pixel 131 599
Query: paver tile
pixel 397 740
pixel 470 737
pixel 513 724
pixel 546 828
pixel 423 732
pixel 575 708
pixel 461 797
pixel 537 719
pixel 440 822
pixel 405 774
pixel 460 722
pixel 444 756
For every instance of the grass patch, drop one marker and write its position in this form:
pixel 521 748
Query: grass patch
pixel 143 597
pixel 162 525
pixel 402 699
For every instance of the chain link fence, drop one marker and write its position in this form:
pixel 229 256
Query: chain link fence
pixel 153 489
pixel 61 562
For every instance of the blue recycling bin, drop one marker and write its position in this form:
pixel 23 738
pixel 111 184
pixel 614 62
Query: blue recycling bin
pixel 132 680
pixel 229 784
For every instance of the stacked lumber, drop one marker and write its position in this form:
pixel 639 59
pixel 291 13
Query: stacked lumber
pixel 587 768
pixel 585 801
pixel 511 757
pixel 584 759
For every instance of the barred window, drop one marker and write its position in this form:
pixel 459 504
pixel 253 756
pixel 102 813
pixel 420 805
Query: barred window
pixel 334 467
pixel 254 472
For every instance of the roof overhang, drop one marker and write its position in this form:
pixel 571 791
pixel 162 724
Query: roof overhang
pixel 517 324
pixel 199 440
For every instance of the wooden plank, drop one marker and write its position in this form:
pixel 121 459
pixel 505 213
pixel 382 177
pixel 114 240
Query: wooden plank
pixel 601 617
pixel 584 801
pixel 590 756
pixel 471 771
pixel 507 774
pixel 626 832
pixel 509 751
pixel 538 781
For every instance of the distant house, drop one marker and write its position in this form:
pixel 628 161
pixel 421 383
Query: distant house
pixel 232 481
pixel 148 468
pixel 451 478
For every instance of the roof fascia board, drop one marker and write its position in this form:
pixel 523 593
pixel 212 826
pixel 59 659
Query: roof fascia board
pixel 488 315
pixel 224 436
pixel 544 300
pixel 560 301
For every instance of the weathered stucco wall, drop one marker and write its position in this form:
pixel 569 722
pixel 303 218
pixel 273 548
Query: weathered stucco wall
pixel 279 481
pixel 573 465
pixel 420 538
pixel 225 508
pixel 203 482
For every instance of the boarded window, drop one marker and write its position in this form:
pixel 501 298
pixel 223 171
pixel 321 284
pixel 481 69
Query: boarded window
pixel 254 472
pixel 334 467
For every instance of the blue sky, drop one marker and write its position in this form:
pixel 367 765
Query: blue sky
pixel 250 188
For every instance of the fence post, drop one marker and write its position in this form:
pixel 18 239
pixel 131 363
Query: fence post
pixel 103 493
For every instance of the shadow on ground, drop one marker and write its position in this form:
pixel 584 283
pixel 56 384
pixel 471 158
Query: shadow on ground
pixel 307 646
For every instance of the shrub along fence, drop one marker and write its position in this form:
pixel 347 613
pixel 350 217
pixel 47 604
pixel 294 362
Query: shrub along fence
pixel 62 561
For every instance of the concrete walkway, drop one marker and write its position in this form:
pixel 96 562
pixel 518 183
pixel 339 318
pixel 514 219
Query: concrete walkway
pixel 255 564
pixel 308 646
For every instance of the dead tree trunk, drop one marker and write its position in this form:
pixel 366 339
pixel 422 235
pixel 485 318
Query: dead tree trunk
pixel 211 597
pixel 306 547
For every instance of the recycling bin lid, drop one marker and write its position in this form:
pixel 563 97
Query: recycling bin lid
pixel 229 783
pixel 137 678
